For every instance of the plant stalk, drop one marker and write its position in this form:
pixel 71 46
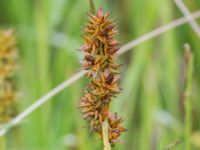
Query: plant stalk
pixel 3 143
pixel 106 135
pixel 187 98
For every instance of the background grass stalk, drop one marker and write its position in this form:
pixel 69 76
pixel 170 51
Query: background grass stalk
pixel 173 145
pixel 187 98
pixel 3 143
pixel 187 13
pixel 106 135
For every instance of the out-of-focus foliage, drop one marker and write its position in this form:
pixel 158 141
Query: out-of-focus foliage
pixel 50 31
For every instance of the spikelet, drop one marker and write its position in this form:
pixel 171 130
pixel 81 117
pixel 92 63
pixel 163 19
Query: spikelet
pixel 8 59
pixel 99 50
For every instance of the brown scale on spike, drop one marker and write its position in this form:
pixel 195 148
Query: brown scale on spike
pixel 99 48
pixel 8 66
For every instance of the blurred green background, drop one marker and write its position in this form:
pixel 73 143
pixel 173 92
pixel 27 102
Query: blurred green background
pixel 50 31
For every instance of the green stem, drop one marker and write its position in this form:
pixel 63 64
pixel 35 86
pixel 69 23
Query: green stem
pixel 2 143
pixel 187 99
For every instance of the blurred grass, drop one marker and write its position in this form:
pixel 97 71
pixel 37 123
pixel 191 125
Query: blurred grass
pixel 49 32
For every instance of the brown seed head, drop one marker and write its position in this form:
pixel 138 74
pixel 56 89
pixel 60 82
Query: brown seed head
pixel 99 49
pixel 8 60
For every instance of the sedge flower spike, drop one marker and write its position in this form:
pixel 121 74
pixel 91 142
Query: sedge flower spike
pixel 99 48
pixel 8 65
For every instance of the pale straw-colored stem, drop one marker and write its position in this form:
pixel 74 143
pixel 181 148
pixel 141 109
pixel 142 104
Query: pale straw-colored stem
pixel 105 133
pixel 187 13
pixel 157 32
pixel 78 75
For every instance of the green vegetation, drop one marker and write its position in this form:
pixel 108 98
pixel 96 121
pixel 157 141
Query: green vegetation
pixel 49 33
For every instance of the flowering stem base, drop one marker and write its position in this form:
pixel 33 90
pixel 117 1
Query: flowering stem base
pixel 105 135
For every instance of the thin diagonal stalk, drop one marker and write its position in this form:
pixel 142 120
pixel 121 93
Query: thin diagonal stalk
pixel 78 75
pixel 157 32
pixel 187 13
